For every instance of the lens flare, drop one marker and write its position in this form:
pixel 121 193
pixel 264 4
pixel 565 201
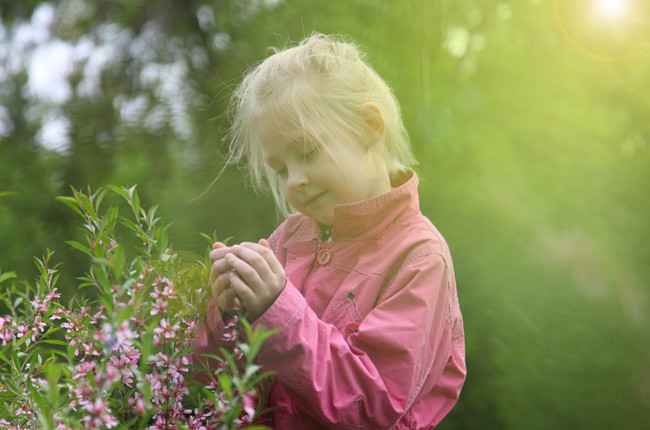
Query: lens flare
pixel 605 30
pixel 612 8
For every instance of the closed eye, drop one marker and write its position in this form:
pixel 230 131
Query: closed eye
pixel 310 154
pixel 282 172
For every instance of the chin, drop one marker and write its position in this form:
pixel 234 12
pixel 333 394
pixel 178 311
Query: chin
pixel 328 221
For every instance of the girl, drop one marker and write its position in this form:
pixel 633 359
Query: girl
pixel 358 283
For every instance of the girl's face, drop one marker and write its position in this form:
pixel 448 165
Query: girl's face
pixel 317 176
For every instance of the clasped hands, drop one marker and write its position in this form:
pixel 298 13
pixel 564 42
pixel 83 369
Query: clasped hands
pixel 246 275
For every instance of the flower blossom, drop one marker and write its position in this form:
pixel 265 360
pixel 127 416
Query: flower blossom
pixel 166 329
pixel 99 414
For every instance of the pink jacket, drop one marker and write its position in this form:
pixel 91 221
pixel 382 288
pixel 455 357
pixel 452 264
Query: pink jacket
pixel 371 334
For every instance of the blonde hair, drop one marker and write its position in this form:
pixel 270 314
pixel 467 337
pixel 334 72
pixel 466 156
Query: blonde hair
pixel 323 82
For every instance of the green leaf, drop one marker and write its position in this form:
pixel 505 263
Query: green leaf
pixel 99 275
pixel 79 246
pixel 18 301
pixel 45 418
pixel 55 342
pixel 87 204
pixel 53 375
pixel 6 276
pixel 98 197
pixel 134 200
pixel 72 203
pixel 4 357
pixel 108 220
pixel 251 370
pixel 130 224
pixel 256 338
pixel 119 191
pixel 225 382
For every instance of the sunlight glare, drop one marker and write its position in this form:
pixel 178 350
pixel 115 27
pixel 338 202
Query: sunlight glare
pixel 612 8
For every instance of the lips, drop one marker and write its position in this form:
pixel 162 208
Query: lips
pixel 310 199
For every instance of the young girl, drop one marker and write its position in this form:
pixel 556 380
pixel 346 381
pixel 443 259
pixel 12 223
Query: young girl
pixel 358 283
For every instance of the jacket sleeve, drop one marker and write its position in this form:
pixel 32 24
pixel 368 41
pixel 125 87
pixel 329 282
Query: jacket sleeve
pixel 213 333
pixel 209 339
pixel 372 378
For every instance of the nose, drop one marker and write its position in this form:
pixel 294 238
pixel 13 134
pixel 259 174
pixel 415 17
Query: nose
pixel 297 179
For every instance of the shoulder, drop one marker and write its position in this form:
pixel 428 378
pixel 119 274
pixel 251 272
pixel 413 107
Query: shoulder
pixel 417 238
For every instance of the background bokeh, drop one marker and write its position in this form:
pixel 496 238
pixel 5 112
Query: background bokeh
pixel 530 120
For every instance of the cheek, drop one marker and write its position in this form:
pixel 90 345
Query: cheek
pixel 288 195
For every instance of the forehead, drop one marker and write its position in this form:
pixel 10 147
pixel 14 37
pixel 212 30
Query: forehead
pixel 276 135
pixel 278 146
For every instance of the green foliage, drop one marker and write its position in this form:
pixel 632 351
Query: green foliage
pixel 534 165
pixel 121 359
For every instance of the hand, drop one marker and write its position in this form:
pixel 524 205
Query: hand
pixel 257 277
pixel 225 296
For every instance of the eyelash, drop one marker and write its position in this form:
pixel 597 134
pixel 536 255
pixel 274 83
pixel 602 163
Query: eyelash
pixel 306 157
pixel 310 154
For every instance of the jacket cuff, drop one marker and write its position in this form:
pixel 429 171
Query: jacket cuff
pixel 283 314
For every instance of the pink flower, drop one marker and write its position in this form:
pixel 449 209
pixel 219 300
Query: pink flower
pixel 56 315
pixel 39 306
pixel 22 330
pixel 230 335
pixel 40 325
pixel 249 404
pixel 237 353
pixel 83 369
pixel 190 324
pixel 99 414
pixel 168 331
pixel 4 321
pixel 138 403
pixel 159 307
pixel 124 333
pixel 112 375
pixel 53 295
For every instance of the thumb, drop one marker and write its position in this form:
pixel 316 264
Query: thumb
pixel 218 245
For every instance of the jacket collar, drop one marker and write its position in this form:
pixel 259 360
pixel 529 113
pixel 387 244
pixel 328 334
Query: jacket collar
pixel 364 220
pixel 370 218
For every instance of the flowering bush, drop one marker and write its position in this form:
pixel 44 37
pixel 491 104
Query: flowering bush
pixel 119 358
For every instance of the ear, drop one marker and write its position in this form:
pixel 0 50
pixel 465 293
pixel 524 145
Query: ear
pixel 375 120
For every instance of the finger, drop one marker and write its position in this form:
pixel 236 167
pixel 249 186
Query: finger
pixel 220 284
pixel 251 254
pixel 227 300
pixel 264 249
pixel 219 253
pixel 218 245
pixel 264 243
pixel 217 268
pixel 242 290
pixel 245 270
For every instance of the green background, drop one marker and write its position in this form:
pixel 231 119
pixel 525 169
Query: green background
pixel 530 121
